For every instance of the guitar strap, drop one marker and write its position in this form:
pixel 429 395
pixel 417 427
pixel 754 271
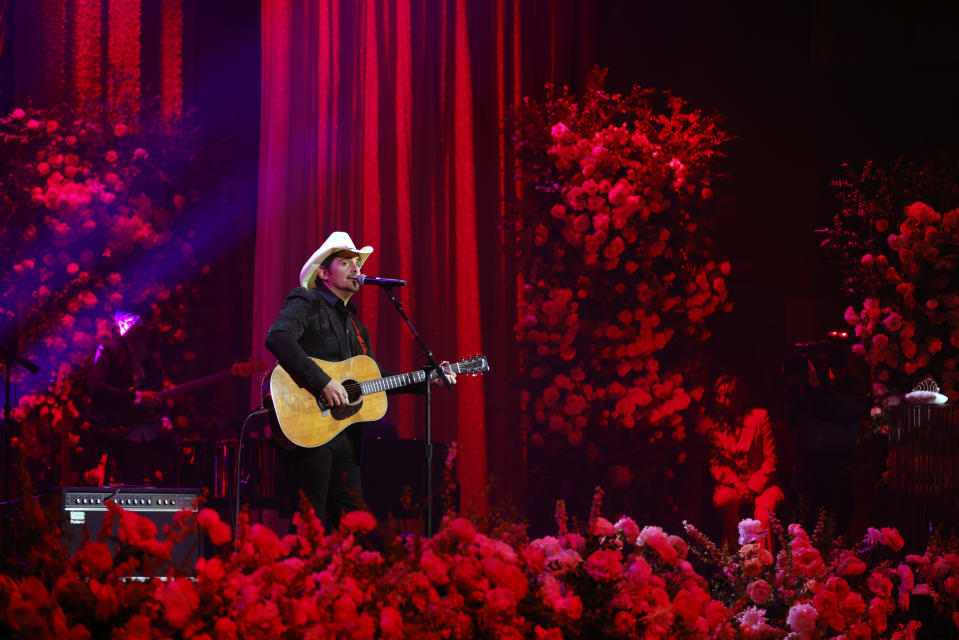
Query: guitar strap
pixel 359 336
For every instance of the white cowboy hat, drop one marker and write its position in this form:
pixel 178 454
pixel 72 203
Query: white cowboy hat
pixel 338 241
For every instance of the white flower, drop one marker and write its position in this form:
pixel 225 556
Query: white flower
pixel 753 621
pixel 750 531
pixel 651 535
pixel 802 618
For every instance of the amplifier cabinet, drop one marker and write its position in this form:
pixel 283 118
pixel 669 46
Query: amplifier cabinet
pixel 86 507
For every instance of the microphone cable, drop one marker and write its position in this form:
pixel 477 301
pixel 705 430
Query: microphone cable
pixel 239 466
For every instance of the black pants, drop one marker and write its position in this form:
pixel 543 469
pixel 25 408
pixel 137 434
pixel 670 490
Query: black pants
pixel 329 476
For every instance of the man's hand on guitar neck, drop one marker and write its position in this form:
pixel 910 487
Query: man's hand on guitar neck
pixel 335 395
pixel 449 375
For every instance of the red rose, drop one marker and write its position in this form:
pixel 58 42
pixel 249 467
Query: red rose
pixel 852 606
pixel 462 529
pixel 95 556
pixel 893 540
pixel 575 404
pixel 582 223
pixel 501 600
pixel 391 622
pixel 435 568
pixel 807 560
pixel 107 601
pixel 344 609
pixel 179 601
pixel 686 607
pixel 224 629
pixel 218 531
pixel 266 542
pixel 362 521
pixel 507 576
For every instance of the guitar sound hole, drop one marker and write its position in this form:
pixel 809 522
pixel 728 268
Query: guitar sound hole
pixel 353 397
pixel 352 390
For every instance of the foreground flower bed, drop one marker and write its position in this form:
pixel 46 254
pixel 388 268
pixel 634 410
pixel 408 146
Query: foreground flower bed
pixel 614 580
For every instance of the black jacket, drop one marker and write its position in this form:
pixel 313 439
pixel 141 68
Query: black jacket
pixel 315 323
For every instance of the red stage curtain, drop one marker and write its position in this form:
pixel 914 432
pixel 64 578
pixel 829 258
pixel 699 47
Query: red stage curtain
pixel 386 119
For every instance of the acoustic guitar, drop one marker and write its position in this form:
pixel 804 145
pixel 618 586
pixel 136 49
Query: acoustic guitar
pixel 303 420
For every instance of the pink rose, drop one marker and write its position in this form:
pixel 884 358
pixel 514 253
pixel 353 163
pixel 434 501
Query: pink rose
pixel 602 527
pixel 802 618
pixel 112 156
pixel 120 130
pixel 759 591
pixel 604 565
pixel 750 531
pixel 893 322
pixel 629 528
pixel 18 114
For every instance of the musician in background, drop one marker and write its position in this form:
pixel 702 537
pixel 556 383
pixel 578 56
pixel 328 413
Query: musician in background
pixel 743 460
pixel 125 408
pixel 318 320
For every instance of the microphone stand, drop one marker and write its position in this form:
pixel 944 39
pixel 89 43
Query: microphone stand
pixel 430 366
pixel 9 359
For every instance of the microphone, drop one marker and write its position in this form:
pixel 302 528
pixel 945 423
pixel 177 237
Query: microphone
pixel 380 282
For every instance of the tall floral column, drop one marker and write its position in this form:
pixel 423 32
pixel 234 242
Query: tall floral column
pixel 612 236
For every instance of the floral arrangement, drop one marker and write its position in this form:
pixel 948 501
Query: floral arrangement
pixel 619 281
pixel 616 580
pixel 91 220
pixel 895 240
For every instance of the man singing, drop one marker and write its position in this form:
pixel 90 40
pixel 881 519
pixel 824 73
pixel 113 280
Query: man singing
pixel 318 320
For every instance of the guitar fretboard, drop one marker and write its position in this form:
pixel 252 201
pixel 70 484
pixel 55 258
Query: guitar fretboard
pixel 395 382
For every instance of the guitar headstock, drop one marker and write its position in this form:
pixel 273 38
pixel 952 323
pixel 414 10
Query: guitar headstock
pixel 472 366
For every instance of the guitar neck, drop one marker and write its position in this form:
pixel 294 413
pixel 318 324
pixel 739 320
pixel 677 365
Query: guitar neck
pixel 389 383
pixel 195 384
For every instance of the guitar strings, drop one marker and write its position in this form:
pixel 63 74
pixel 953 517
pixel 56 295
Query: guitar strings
pixel 353 390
